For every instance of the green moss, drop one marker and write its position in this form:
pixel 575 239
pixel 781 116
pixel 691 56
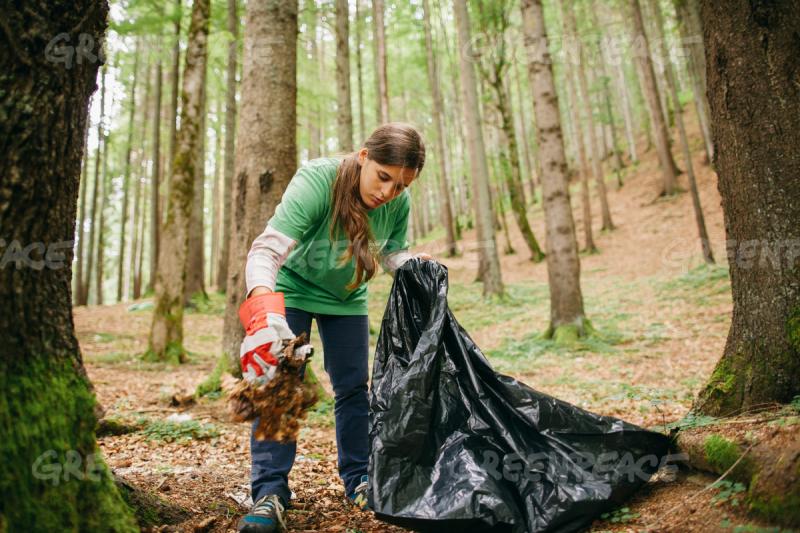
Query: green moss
pixel 793 329
pixel 567 334
pixel 213 383
pixel 721 454
pixel 783 509
pixel 53 476
pixel 174 354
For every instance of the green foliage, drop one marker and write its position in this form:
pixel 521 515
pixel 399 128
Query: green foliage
pixel 322 413
pixel 703 285
pixel 622 515
pixel 693 420
pixel 721 454
pixel 729 492
pixel 750 528
pixel 168 431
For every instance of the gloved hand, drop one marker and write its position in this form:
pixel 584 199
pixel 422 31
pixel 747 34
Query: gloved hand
pixel 264 321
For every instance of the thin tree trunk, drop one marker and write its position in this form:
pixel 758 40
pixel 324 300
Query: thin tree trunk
pixel 264 148
pixel 230 146
pixel 567 317
pixel 669 73
pixel 173 108
pixel 359 72
pixel 754 120
pixel 138 214
pixel 215 203
pixel 501 215
pixel 101 225
pixel 139 273
pixel 441 148
pixel 80 232
pixel 126 179
pixel 570 28
pixel 531 167
pixel 166 333
pixel 382 83
pixel 344 109
pixel 155 197
pixel 96 189
pixel 48 406
pixel 588 233
pixel 487 246
pixel 643 57
pixel 627 116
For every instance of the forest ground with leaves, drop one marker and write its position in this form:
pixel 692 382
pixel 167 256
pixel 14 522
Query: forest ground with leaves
pixel 662 319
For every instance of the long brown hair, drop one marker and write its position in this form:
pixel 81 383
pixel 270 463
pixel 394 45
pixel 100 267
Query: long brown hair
pixel 392 144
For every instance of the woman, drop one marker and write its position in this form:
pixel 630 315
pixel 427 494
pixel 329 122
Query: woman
pixel 337 219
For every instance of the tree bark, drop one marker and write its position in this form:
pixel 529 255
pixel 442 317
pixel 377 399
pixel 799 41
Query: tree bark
pixel 567 317
pixel 166 332
pixel 230 145
pixel 669 73
pixel 155 182
pixel 47 398
pixel 487 245
pixel 215 200
pixel 175 75
pixel 314 117
pixel 344 108
pixel 570 28
pixel 753 61
pixel 359 73
pixel 382 83
pixel 266 155
pixel 650 89
pixel 101 225
pixel 96 189
pixel 127 178
pixel 80 232
pixel 441 148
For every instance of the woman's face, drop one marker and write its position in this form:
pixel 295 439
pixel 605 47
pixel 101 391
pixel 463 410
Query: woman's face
pixel 381 183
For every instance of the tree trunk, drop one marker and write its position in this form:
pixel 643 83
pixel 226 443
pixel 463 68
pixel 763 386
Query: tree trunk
pixel 441 148
pixel 266 150
pixel 627 116
pixel 230 146
pixel 195 262
pixel 314 117
pixel 586 205
pixel 672 83
pixel 126 179
pixel 80 232
pixel 359 74
pixel 96 189
pixel 509 157
pixel 139 273
pixel 487 245
pixel 47 398
pixel 173 108
pixel 530 166
pixel 155 181
pixel 570 28
pixel 382 83
pixel 567 317
pixel 166 332
pixel 101 225
pixel 215 200
pixel 660 133
pixel 753 57
pixel 344 109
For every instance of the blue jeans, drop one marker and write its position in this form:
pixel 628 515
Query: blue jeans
pixel 345 341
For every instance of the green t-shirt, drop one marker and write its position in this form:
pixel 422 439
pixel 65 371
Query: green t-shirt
pixel 311 278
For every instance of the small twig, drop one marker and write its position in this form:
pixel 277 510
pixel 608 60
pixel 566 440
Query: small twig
pixel 701 491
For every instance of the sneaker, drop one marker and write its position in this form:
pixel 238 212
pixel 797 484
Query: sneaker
pixel 265 517
pixel 360 496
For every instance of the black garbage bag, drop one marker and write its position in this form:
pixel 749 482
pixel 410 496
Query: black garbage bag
pixel 458 447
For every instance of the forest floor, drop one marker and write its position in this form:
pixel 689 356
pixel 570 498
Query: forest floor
pixel 662 318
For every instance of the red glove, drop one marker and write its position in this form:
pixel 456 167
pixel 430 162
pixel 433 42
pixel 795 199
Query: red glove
pixel 264 321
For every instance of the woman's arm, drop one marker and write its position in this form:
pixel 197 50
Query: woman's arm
pixel 268 252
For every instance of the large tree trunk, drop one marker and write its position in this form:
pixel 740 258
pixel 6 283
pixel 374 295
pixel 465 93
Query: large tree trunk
pixel 650 89
pixel 672 84
pixel 489 267
pixel 344 109
pixel 266 155
pixel 382 83
pixel 53 475
pixel 127 179
pixel 230 145
pixel 195 262
pixel 175 74
pixel 155 181
pixel 441 149
pixel 166 332
pixel 567 319
pixel 753 58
